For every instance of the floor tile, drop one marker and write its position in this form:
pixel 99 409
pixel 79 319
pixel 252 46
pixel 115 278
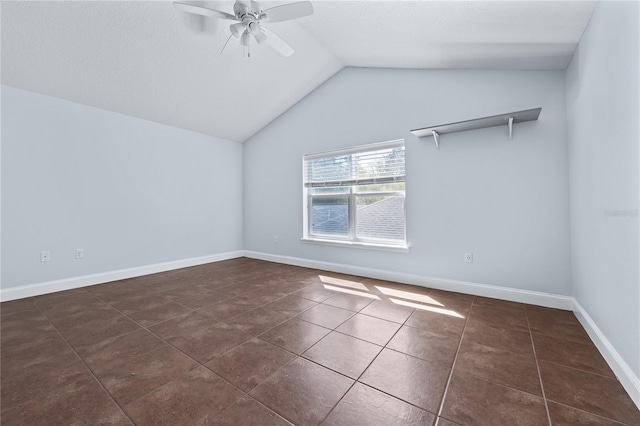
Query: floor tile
pixel 63 300
pixel 571 354
pixel 316 293
pixel 458 302
pixel 25 335
pixel 290 305
pixel 153 370
pixel 264 295
pixel 194 398
pixel 23 385
pixel 474 401
pixel 425 345
pixel 593 393
pixel 451 295
pixel 295 335
pixel 205 299
pixel 81 402
pixel 446 325
pixel 17 306
pixel 257 321
pixel 404 293
pixel 119 350
pixel 506 368
pixel 81 337
pixel 444 422
pixel 509 318
pixel 128 293
pixel 388 311
pixel 344 354
pixel 32 354
pixel 411 379
pixel 148 302
pixel 184 291
pixel 506 339
pixel 64 309
pixel 371 329
pixel 24 321
pixel 363 405
pixel 326 316
pixel 84 318
pixel 146 372
pixel 488 302
pixel 182 325
pixel 207 343
pixel 225 310
pixel 561 415
pixel 556 323
pixel 348 302
pixel 250 364
pixel 302 392
pixel 285 288
pixel 158 314
pixel 248 412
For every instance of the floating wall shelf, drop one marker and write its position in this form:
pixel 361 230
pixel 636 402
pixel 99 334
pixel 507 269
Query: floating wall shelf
pixel 479 123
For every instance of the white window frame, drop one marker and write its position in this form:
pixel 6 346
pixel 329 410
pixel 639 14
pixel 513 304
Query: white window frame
pixel 351 239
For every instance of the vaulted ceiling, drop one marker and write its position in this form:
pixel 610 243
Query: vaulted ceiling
pixel 148 60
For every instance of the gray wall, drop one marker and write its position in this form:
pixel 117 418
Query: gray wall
pixel 129 192
pixel 603 134
pixel 506 201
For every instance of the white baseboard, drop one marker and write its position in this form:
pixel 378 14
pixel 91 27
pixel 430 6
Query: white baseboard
pixel 504 293
pixel 621 369
pixel 13 293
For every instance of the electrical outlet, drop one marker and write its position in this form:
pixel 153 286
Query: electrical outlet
pixel 79 253
pixel 275 238
pixel 468 257
pixel 45 256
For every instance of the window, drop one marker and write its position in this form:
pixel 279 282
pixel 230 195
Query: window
pixel 356 195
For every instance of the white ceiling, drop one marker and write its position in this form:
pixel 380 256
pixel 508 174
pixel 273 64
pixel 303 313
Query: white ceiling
pixel 147 60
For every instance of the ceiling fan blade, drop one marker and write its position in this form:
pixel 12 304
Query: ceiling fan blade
pixel 247 4
pixel 277 43
pixel 255 7
pixel 198 10
pixel 288 11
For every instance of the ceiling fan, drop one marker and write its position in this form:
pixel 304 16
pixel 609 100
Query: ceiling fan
pixel 249 16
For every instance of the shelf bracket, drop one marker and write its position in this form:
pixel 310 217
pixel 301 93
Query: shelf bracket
pixel 436 138
pixel 510 127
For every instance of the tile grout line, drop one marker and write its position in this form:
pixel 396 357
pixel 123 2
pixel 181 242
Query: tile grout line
pixel 455 358
pixel 296 356
pixel 591 414
pixel 535 356
pixel 85 364
pixel 201 365
pixel 357 380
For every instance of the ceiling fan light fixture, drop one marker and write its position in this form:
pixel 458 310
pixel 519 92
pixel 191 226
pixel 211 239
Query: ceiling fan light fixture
pixel 253 27
pixel 260 36
pixel 236 29
pixel 245 38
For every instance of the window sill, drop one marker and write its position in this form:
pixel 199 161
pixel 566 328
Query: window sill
pixel 357 244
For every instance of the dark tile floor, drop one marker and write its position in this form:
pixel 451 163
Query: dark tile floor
pixel 247 342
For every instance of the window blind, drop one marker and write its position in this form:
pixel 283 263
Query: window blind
pixel 373 164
